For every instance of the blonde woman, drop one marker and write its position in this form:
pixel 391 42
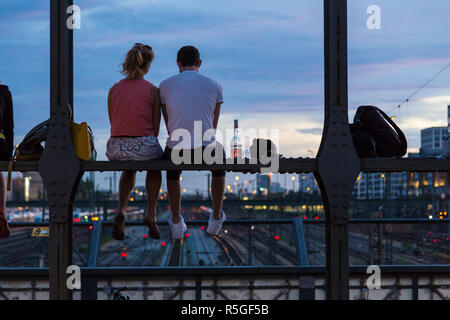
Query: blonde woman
pixel 135 114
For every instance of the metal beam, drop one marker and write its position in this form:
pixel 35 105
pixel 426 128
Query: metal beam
pixel 299 165
pixel 338 164
pixel 59 166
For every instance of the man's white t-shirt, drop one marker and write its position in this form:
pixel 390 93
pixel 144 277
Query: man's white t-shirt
pixel 189 97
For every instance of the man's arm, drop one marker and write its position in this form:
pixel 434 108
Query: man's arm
pixel 216 115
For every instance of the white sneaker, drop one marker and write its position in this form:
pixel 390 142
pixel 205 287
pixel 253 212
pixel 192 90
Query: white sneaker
pixel 178 229
pixel 214 225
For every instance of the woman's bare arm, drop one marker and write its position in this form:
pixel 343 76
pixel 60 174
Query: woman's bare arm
pixel 109 104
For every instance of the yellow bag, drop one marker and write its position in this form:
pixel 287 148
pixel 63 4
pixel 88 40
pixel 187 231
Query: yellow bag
pixel 82 140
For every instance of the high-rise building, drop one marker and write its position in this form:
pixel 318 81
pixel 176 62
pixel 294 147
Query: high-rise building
pixel 33 186
pixel 432 140
pixel 263 183
pixel 307 183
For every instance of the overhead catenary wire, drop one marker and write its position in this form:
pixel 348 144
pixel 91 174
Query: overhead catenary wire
pixel 420 88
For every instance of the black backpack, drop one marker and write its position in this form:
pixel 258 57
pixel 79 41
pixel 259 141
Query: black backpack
pixel 30 149
pixel 31 146
pixel 376 135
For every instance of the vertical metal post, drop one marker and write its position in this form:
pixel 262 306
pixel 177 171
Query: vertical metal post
pixel 303 259
pixel 89 284
pixel 59 166
pixel 338 162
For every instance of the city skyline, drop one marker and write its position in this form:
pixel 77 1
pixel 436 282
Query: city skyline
pixel 248 49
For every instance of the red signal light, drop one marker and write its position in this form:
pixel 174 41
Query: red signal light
pixel 202 227
pixel 188 234
pixel 73 219
pixel 305 217
pixel 317 218
pixel 78 219
pixel 144 236
pixel 277 238
pixel 91 227
pixel 123 254
pixel 163 244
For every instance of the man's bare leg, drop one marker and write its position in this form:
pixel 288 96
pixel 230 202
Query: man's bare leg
pixel 174 191
pixel 217 192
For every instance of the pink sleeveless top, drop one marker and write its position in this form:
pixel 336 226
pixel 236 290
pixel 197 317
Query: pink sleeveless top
pixel 131 109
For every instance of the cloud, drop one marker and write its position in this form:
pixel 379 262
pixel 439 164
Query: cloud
pixel 313 131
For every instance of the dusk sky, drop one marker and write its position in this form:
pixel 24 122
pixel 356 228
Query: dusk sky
pixel 268 56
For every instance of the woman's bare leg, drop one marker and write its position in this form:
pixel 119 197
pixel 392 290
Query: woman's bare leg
pixel 153 185
pixel 126 185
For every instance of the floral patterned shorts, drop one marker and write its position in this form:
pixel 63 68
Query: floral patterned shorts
pixel 133 148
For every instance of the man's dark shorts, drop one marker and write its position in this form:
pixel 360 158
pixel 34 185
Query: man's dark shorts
pixel 175 175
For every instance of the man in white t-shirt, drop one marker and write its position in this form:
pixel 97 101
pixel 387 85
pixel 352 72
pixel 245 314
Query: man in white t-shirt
pixel 188 100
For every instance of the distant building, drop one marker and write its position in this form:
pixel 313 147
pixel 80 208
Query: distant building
pixel 263 183
pixel 17 189
pixel 381 185
pixel 277 188
pixel 26 187
pixel 307 183
pixel 432 140
pixel 33 186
